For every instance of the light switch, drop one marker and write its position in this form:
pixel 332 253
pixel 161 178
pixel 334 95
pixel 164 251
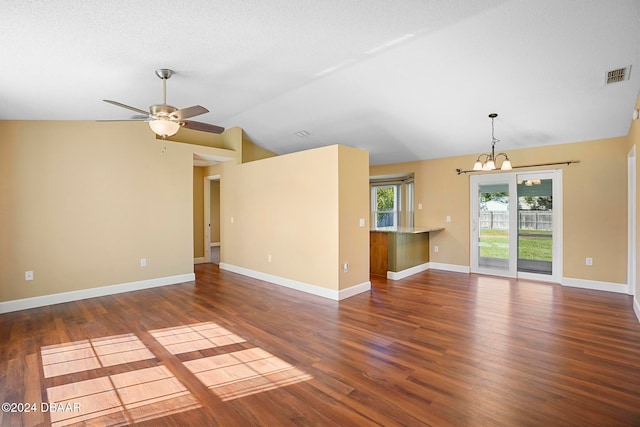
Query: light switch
pixel 361 222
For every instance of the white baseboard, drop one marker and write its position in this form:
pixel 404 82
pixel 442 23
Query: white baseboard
pixel 354 290
pixel 44 300
pixel 620 288
pixel 636 307
pixel 300 286
pixel 200 260
pixel 397 275
pixel 450 267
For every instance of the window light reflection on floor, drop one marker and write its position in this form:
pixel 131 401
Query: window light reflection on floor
pixel 154 392
pixel 244 372
pixel 200 336
pixel 122 399
pixel 94 353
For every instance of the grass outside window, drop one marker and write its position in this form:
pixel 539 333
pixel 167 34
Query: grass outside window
pixel 533 246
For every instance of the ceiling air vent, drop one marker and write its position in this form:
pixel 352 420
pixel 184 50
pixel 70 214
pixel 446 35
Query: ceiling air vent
pixel 619 75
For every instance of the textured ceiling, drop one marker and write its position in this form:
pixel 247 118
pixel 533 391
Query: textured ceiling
pixel 405 80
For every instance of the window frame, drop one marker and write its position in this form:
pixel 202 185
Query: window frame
pixel 396 205
pixel 404 197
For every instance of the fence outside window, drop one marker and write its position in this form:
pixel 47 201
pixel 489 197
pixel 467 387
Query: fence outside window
pixel 528 220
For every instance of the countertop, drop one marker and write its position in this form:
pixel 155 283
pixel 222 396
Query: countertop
pixel 407 230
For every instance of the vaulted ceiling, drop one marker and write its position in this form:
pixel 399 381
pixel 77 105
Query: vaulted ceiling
pixel 405 80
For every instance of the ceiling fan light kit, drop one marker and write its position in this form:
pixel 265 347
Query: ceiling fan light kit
pixel 164 119
pixel 164 127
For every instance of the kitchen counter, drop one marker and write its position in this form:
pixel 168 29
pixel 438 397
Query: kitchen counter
pixel 397 252
pixel 407 230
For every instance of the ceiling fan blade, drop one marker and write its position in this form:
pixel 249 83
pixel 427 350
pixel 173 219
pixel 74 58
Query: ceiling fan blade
pixel 203 127
pixel 185 113
pixel 119 104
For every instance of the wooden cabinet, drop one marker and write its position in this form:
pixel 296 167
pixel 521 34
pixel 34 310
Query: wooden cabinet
pixel 379 253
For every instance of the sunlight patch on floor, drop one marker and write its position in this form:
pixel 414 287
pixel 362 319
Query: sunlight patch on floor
pixel 200 336
pixel 95 353
pixel 245 372
pixel 121 399
pixel 153 392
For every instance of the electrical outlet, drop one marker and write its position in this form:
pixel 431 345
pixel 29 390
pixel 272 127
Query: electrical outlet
pixel 143 262
pixel 28 275
pixel 448 218
pixel 419 206
pixel 345 267
pixel 436 249
pixel 269 258
pixel 589 261
pixel 361 222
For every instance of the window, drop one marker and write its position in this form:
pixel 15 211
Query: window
pixel 385 202
pixel 392 198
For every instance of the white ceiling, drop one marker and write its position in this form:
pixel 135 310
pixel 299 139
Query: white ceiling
pixel 405 80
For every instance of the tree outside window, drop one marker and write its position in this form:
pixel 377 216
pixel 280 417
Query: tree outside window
pixel 385 205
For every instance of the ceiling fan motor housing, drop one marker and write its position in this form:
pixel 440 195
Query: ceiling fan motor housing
pixel 162 110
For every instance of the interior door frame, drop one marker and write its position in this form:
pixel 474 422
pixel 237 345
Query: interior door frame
pixel 207 215
pixel 512 178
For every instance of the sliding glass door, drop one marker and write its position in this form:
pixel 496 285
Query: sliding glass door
pixel 492 221
pixel 515 225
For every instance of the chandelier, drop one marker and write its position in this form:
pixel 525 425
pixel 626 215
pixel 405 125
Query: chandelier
pixel 487 162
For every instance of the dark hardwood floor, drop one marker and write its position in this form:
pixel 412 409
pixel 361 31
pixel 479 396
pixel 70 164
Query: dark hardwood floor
pixel 438 348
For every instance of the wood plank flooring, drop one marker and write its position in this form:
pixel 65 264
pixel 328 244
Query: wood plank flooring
pixel 438 348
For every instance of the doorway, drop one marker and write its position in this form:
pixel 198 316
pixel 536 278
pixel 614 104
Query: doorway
pixel 516 221
pixel 212 239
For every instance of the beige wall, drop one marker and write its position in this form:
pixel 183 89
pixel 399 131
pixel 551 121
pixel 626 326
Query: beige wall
pixel 353 205
pixel 594 201
pixel 282 216
pixel 83 202
pixel 251 151
pixel 245 151
pixel 198 211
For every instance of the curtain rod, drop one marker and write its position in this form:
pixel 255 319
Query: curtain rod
pixel 568 162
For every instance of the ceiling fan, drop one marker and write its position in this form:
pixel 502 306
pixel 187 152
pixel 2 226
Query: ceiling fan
pixel 165 120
